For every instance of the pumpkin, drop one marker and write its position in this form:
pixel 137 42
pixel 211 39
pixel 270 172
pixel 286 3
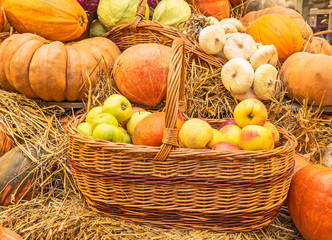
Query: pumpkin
pixel 300 162
pixel 310 201
pixel 2 20
pixel 305 29
pixel 16 176
pixel 55 20
pixel 141 72
pixel 256 5
pixel 320 45
pixel 279 30
pixel 236 2
pixel 6 142
pixel 219 9
pixel 8 234
pixel 311 83
pixel 53 71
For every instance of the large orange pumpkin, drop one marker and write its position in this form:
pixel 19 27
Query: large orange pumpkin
pixel 279 30
pixel 219 9
pixel 63 20
pixel 141 72
pixel 310 202
pixel 53 71
pixel 308 76
pixel 305 29
pixel 8 234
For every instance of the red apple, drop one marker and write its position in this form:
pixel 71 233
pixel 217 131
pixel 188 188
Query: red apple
pixel 134 110
pixel 150 130
pixel 230 121
pixel 255 137
pixel 250 112
pixel 224 146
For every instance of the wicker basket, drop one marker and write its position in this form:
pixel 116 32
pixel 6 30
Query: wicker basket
pixel 176 187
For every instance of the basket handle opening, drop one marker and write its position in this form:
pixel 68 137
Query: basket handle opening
pixel 175 100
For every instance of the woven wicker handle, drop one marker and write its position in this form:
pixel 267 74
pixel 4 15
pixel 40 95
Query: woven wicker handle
pixel 174 99
pixel 322 32
pixel 140 13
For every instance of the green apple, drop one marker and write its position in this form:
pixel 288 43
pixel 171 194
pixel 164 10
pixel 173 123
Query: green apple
pixel 135 119
pixel 92 113
pixel 107 132
pixel 126 136
pixel 85 128
pixel 104 118
pixel 119 106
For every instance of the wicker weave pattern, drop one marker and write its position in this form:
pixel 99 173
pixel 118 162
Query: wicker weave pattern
pixel 184 188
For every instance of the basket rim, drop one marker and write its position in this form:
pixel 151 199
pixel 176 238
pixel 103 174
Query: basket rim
pixel 74 134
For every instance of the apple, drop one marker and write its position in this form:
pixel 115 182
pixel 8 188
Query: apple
pixel 274 130
pixel 107 132
pixel 104 118
pixel 85 128
pixel 126 136
pixel 256 137
pixel 195 133
pixel 92 113
pixel 134 110
pixel 225 146
pixel 119 106
pixel 230 121
pixel 250 112
pixel 231 134
pixel 135 119
pixel 216 137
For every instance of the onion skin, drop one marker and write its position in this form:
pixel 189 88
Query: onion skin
pixel 89 5
pixel 153 3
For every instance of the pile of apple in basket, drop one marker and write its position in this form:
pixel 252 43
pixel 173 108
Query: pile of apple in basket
pixel 118 121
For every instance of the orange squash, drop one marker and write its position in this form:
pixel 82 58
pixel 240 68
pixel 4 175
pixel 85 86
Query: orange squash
pixel 53 71
pixel 310 201
pixel 8 234
pixel 55 20
pixel 308 76
pixel 320 45
pixel 279 30
pixel 305 29
pixel 219 9
pixel 6 142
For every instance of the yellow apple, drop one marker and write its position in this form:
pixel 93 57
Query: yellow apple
pixel 92 113
pixel 195 133
pixel 107 132
pixel 119 106
pixel 126 136
pixel 104 118
pixel 274 130
pixel 135 119
pixel 225 146
pixel 250 112
pixel 231 134
pixel 85 128
pixel 256 137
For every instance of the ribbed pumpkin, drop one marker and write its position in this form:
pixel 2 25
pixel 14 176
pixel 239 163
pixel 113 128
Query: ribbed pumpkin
pixel 16 177
pixel 8 234
pixel 305 29
pixel 310 201
pixel 53 71
pixel 55 20
pixel 320 45
pixel 308 76
pixel 279 30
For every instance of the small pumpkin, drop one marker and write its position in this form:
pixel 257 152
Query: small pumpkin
pixel 311 83
pixel 8 234
pixel 16 176
pixel 320 45
pixel 53 71
pixel 278 30
pixel 6 142
pixel 305 29
pixel 219 9
pixel 310 201
pixel 63 20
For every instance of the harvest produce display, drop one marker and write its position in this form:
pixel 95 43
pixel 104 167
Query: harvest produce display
pixel 206 119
